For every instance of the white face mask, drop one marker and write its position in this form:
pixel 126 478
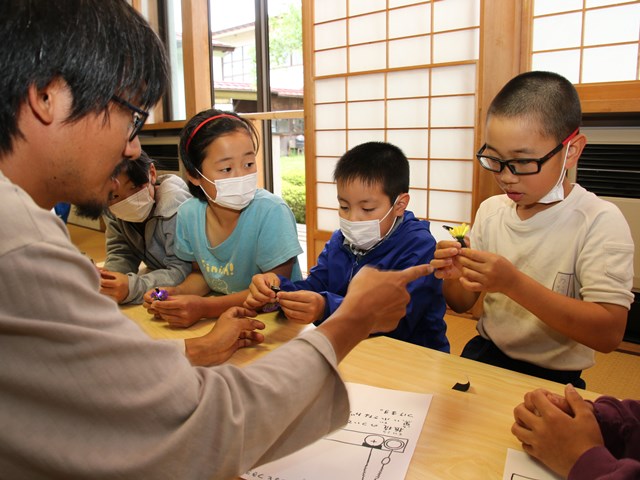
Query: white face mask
pixel 235 193
pixel 364 234
pixel 556 194
pixel 135 208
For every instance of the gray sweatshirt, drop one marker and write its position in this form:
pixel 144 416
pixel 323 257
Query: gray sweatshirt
pixel 128 246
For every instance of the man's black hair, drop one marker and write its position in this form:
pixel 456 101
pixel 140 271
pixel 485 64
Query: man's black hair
pixel 100 48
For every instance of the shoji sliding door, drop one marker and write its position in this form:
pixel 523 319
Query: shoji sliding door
pixel 399 71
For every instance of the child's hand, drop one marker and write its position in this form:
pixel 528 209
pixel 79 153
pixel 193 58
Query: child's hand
pixel 302 306
pixel 148 300
pixel 445 259
pixel 551 435
pixel 260 292
pixel 486 272
pixel 558 400
pixel 114 285
pixel 179 310
pixel 233 330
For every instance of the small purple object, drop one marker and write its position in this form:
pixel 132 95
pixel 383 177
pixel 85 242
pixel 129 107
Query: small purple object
pixel 160 294
pixel 272 307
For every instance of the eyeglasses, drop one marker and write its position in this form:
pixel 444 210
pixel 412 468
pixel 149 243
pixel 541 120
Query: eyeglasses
pixel 519 166
pixel 139 116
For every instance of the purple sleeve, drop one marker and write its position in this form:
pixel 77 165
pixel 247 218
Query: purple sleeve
pixel 619 458
pixel 598 464
pixel 620 425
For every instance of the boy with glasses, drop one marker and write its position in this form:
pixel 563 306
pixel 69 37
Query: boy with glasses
pixel 554 260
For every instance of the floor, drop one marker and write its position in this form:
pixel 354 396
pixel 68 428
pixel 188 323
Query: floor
pixel 616 373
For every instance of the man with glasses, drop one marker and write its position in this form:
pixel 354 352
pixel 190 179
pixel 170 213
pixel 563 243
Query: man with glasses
pixel 139 116
pixel 553 260
pixel 84 392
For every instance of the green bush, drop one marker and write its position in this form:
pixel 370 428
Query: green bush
pixel 295 194
pixel 294 178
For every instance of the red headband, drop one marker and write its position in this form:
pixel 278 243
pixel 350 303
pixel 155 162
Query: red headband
pixel 203 123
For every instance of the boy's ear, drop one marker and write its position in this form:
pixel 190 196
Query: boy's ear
pixel 153 174
pixel 576 146
pixel 401 204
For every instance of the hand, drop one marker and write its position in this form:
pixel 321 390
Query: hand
pixel 445 259
pixel 486 272
pixel 179 310
pixel 375 302
pixel 148 300
pixel 381 298
pixel 302 306
pixel 558 400
pixel 260 292
pixel 233 330
pixel 552 436
pixel 114 285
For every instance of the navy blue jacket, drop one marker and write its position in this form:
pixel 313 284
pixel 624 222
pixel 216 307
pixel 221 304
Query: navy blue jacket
pixel 411 243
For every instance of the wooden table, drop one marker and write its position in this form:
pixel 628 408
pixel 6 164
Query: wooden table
pixel 465 435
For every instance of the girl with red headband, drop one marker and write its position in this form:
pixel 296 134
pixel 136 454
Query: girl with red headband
pixel 231 230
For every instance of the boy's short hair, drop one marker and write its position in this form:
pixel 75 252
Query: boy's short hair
pixel 544 97
pixel 99 48
pixel 138 170
pixel 375 162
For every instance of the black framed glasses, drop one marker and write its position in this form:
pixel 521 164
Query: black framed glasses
pixel 139 116
pixel 519 166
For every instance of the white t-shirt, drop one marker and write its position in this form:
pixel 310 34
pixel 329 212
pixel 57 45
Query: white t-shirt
pixel 581 247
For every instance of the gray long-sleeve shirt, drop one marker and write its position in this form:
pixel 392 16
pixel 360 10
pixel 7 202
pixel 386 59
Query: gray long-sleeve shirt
pixel 127 247
pixel 84 393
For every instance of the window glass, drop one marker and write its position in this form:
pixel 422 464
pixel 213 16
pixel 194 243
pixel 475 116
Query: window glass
pixel 233 44
pixel 173 24
pixel 286 83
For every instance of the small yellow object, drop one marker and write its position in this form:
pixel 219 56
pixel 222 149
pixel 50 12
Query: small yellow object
pixel 460 231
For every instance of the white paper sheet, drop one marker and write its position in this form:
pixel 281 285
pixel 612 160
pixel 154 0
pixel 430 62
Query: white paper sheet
pixel 520 466
pixel 377 442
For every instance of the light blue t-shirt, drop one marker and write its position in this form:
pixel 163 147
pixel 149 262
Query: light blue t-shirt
pixel 264 238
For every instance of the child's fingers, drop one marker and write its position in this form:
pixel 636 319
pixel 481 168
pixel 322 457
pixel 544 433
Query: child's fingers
pixel 104 283
pixel 253 303
pixel 297 316
pixel 260 292
pixel 576 402
pixel 294 305
pixel 447 253
pixel 166 306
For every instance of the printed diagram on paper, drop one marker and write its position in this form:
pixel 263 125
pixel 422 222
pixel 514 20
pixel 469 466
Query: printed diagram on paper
pixel 376 444
pixel 520 466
